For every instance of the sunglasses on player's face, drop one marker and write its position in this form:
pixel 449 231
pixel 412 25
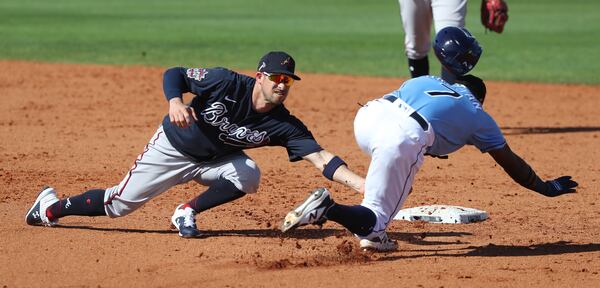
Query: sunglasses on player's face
pixel 280 78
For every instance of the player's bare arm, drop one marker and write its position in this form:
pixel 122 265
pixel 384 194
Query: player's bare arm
pixel 180 114
pixel 523 174
pixel 341 175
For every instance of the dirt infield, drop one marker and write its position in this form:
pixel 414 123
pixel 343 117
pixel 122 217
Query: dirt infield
pixel 79 127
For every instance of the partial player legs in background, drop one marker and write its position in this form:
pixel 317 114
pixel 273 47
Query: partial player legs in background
pixel 418 67
pixel 416 22
pixel 418 16
pixel 448 13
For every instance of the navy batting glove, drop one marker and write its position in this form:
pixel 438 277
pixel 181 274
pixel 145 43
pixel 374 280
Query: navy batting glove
pixel 559 186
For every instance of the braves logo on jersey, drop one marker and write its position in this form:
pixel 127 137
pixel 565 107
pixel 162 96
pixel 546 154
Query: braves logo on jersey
pixel 196 73
pixel 232 134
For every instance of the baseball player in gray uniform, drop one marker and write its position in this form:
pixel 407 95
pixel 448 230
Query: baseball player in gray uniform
pixel 204 142
pixel 417 18
pixel 425 116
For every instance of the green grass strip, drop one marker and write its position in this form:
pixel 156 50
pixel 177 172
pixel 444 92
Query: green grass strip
pixel 544 41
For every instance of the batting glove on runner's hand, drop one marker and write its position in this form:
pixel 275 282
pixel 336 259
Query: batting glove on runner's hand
pixel 559 186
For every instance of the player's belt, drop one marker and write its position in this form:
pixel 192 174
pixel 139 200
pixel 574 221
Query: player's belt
pixel 413 115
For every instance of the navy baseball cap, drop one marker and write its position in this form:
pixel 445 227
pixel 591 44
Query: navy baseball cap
pixel 278 62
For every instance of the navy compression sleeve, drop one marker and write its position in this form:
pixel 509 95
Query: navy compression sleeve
pixel 174 84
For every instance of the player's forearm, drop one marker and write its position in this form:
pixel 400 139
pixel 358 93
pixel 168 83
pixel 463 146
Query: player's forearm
pixel 523 174
pixel 335 169
pixel 345 176
pixel 518 169
pixel 342 174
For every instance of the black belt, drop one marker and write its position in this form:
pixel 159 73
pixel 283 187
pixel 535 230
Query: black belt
pixel 414 115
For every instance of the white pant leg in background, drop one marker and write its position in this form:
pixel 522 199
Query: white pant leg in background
pixel 448 13
pixel 417 17
pixel 161 166
pixel 416 20
pixel 396 144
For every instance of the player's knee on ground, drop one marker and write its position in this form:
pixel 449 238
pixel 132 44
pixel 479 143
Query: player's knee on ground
pixel 245 175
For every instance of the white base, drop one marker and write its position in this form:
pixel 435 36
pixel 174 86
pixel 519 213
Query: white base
pixel 442 214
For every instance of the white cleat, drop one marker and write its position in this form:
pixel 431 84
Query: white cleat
pixel 379 243
pixel 184 220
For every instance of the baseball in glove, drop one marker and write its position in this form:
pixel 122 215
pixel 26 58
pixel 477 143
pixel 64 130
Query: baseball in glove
pixel 494 14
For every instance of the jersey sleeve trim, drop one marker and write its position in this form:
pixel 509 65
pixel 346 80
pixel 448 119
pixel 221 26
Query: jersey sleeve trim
pixel 295 158
pixel 488 149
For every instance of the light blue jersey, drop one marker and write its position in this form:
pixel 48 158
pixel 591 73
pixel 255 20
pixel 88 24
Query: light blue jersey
pixel 456 116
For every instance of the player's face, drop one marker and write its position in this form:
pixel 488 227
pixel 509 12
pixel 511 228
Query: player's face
pixel 275 87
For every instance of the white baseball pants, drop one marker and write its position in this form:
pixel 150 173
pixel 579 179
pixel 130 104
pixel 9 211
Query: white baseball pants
pixel 396 143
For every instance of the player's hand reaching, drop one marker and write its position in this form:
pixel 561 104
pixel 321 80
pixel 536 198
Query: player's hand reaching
pixel 181 114
pixel 559 186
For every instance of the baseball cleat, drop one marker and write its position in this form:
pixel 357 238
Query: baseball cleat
pixel 378 244
pixel 184 220
pixel 37 213
pixel 312 211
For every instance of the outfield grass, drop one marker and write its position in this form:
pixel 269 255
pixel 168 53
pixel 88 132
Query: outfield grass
pixel 547 41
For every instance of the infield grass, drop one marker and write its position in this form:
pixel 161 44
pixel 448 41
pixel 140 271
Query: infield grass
pixel 545 41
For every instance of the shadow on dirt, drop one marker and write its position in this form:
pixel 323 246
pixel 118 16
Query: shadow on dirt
pixel 270 233
pixel 422 238
pixel 427 238
pixel 123 230
pixel 492 250
pixel 546 130
pixel 304 233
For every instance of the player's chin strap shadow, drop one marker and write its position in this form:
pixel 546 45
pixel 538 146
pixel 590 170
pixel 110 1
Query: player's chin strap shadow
pixel 508 130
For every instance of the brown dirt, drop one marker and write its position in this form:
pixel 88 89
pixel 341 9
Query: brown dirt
pixel 78 127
